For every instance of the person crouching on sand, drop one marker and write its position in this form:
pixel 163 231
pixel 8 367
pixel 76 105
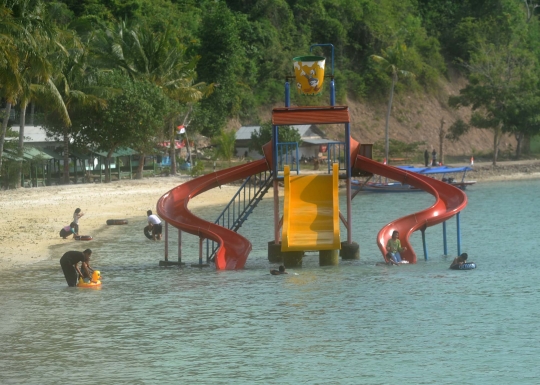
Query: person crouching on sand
pixel 68 230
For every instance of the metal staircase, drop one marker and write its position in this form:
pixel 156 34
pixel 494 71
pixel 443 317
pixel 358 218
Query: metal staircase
pixel 241 206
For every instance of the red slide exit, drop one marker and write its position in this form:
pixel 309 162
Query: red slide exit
pixel 172 207
pixel 449 201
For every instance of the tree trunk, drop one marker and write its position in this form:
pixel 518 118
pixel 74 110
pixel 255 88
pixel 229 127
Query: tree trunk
pixel 21 143
pixel 386 137
pixel 140 166
pixel 3 132
pixel 442 134
pixel 66 155
pixel 108 164
pixel 497 133
pixel 172 148
pixel 32 107
pixel 519 138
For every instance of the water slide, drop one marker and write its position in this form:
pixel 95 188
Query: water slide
pixel 173 208
pixel 449 201
pixel 311 212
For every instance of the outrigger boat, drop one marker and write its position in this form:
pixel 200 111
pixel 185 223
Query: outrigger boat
pixel 391 186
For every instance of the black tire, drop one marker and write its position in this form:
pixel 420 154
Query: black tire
pixel 83 238
pixel 117 222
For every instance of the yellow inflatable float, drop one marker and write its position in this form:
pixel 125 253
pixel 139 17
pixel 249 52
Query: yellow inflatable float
pixel 95 282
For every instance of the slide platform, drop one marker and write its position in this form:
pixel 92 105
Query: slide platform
pixel 173 208
pixel 311 212
pixel 449 201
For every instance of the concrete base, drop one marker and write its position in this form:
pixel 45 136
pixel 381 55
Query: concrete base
pixel 274 252
pixel 200 265
pixel 170 263
pixel 292 258
pixel 349 250
pixel 328 257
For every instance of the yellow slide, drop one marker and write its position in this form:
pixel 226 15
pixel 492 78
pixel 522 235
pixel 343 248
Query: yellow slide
pixel 311 212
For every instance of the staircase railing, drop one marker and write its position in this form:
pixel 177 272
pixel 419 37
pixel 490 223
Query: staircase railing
pixel 241 206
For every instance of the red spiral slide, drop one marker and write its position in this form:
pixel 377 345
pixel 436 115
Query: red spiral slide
pixel 449 201
pixel 173 208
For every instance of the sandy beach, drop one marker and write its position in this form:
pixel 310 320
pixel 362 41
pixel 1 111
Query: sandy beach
pixel 33 217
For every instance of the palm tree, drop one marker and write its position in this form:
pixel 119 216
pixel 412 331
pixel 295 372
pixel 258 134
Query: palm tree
pixel 156 57
pixel 12 39
pixel 389 62
pixel 225 145
pixel 75 86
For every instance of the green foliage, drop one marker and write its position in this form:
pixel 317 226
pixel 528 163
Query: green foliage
pixel 130 119
pixel 397 148
pixel 225 145
pixel 264 135
pixel 197 169
pixel 457 129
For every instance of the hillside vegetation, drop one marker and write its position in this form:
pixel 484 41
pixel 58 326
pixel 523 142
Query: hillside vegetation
pixel 113 73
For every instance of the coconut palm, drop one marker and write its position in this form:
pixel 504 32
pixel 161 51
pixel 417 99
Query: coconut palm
pixel 12 38
pixel 389 62
pixel 75 82
pixel 156 57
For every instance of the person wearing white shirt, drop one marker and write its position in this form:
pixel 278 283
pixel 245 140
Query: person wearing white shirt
pixel 154 228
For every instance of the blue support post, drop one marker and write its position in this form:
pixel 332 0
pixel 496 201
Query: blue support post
pixel 332 93
pixel 444 238
pixel 287 94
pixel 424 244
pixel 458 235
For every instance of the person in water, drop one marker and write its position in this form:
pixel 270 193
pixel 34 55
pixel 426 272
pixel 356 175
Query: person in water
pixel 393 246
pixel 69 263
pixel 154 229
pixel 458 261
pixel 68 230
pixel 278 272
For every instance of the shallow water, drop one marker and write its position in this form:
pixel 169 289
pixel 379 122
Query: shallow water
pixel 356 323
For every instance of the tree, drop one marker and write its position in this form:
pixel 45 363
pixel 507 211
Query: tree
pixel 225 145
pixel 153 57
pixel 264 135
pixel 224 63
pixel 500 77
pixel 389 62
pixel 75 81
pixel 36 68
pixel 133 118
pixel 442 137
pixel 13 39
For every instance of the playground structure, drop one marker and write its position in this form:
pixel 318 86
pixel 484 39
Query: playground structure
pixel 311 217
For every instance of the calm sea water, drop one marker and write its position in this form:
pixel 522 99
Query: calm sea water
pixel 356 323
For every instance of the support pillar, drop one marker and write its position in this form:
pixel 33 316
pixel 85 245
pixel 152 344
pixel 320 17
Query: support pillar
pixel 274 252
pixel 200 264
pixel 328 257
pixel 292 259
pixel 349 250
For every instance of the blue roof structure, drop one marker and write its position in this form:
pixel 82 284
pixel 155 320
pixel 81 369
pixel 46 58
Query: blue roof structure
pixel 435 170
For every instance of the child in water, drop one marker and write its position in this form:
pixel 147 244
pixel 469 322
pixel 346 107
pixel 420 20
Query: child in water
pixel 459 261
pixel 393 247
pixel 278 272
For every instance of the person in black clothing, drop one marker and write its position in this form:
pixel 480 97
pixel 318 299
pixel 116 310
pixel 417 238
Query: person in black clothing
pixel 433 157
pixel 279 272
pixel 69 262
pixel 426 158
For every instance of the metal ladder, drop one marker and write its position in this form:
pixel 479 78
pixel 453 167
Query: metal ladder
pixel 241 206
